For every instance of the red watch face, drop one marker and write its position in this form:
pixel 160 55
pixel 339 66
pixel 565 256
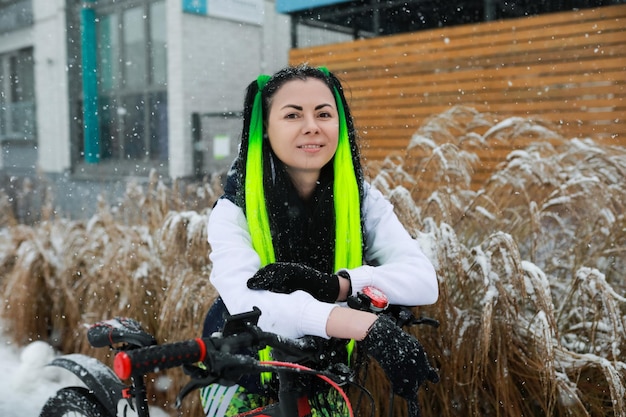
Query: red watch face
pixel 377 298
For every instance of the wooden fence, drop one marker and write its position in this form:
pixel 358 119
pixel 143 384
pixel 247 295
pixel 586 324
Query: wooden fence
pixel 566 68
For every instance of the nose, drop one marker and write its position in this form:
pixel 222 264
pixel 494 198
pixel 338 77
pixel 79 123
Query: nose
pixel 310 125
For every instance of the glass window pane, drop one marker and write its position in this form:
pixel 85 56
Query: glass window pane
pixel 110 146
pixel 22 77
pixel 132 75
pixel 108 52
pixel 134 48
pixel 158 39
pixel 134 127
pixel 158 127
pixel 20 103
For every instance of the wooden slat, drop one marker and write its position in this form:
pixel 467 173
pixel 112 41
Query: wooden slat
pixel 608 69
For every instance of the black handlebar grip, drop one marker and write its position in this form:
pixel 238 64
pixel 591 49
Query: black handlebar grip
pixel 153 358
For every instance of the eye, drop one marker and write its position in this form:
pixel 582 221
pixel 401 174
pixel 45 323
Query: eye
pixel 292 116
pixel 325 115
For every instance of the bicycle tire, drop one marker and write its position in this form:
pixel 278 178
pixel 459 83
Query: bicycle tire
pixel 74 402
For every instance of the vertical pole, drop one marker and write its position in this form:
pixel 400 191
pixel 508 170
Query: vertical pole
pixel 375 19
pixel 489 10
pixel 294 31
pixel 91 127
pixel 196 134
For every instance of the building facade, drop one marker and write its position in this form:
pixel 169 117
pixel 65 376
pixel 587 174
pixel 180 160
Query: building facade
pixel 107 88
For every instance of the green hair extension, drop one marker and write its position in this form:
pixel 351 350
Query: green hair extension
pixel 348 238
pixel 348 245
pixel 256 210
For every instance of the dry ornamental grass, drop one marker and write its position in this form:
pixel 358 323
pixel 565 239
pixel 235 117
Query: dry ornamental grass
pixel 529 260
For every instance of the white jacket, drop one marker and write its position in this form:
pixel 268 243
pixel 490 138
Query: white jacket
pixel 395 264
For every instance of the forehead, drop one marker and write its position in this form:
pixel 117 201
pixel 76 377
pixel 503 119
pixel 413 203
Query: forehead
pixel 303 91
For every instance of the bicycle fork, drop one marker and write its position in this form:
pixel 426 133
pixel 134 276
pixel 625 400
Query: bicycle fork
pixel 293 401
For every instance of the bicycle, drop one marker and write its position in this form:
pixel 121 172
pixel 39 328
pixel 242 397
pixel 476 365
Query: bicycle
pixel 138 354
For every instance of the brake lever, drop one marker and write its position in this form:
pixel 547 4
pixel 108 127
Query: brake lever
pixel 405 317
pixel 200 378
pixel 426 320
pixel 223 369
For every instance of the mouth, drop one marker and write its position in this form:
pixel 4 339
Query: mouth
pixel 310 146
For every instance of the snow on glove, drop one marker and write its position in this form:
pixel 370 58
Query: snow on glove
pixel 400 356
pixel 287 277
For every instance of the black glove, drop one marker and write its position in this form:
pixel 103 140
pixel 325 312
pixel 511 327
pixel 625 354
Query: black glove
pixel 400 355
pixel 287 277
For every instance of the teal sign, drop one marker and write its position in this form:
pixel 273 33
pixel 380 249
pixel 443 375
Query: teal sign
pixel 288 6
pixel 195 6
pixel 249 11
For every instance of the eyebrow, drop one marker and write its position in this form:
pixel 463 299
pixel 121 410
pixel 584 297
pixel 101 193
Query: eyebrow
pixel 299 108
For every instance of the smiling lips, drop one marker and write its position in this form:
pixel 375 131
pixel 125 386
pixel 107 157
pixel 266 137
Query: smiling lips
pixel 310 147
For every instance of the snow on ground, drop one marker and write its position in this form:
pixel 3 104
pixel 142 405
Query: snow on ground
pixel 25 381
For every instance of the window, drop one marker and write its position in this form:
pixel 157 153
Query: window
pixel 17 96
pixel 15 14
pixel 132 77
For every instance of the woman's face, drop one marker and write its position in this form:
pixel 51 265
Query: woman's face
pixel 303 125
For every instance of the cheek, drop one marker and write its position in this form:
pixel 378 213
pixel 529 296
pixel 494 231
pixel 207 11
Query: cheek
pixel 279 143
pixel 333 133
pixel 273 135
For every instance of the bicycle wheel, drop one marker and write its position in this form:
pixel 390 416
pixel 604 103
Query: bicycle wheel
pixel 73 402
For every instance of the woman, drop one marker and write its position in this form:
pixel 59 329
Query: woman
pixel 298 231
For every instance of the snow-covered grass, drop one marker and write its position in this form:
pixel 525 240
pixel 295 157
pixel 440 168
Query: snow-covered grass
pixel 530 264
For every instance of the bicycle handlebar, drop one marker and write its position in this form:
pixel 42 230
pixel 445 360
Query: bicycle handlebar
pixel 214 350
pixel 153 358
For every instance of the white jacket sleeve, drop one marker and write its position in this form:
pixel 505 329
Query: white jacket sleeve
pixel 396 264
pixel 234 261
